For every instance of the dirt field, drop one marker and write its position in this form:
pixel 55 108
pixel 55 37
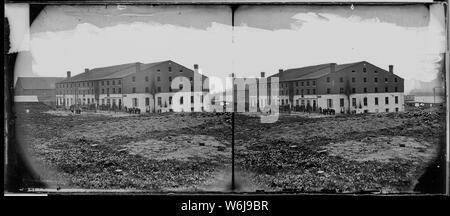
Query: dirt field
pixel 164 152
pixel 380 153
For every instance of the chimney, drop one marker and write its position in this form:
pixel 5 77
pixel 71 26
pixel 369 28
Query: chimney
pixel 263 74
pixel 138 67
pixel 195 66
pixel 232 74
pixel 391 68
pixel 280 72
pixel 86 70
pixel 333 67
pixel 68 74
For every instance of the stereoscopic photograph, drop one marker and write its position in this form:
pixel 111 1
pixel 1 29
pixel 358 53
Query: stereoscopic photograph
pixel 262 98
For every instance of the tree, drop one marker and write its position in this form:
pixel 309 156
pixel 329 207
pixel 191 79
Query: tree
pixel 348 92
pixel 153 90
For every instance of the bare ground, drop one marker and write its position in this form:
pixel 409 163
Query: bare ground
pixel 383 153
pixel 165 152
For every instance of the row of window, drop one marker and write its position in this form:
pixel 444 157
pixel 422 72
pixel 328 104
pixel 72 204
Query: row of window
pixel 341 91
pixel 119 91
pixel 113 82
pixel 375 79
pixel 301 83
pixel 353 90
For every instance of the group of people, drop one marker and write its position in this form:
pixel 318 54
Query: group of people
pixel 327 111
pixel 133 110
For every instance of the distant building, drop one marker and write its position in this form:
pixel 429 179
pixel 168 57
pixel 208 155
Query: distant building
pixel 36 89
pixel 133 85
pixel 354 87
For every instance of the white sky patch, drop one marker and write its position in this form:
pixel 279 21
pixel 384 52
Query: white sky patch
pixel 317 38
pixel 88 46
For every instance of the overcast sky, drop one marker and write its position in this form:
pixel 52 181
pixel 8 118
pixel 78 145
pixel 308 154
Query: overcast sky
pixel 265 38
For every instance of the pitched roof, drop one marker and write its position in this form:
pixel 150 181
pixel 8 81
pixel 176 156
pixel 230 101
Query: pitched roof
pixel 38 82
pixel 311 72
pixel 111 72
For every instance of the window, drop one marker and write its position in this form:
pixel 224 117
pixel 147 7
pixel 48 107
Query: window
pixel 190 79
pixel 375 71
pixel 341 102
pixel 376 100
pixel 170 100
pixel 296 83
pixel 396 99
pixel 170 79
pixel 396 89
pixel 170 69
pixel 170 88
pixel 133 79
pixel 395 79
pixel 386 79
pixel 353 71
pixel 387 110
pixel 103 101
pixel 341 90
pixel 159 101
pixel 375 79
pixel 328 90
pixel 396 109
pixel 158 78
pixel 159 88
pixel 314 83
pixel 341 79
pixel 120 91
pixel 376 89
pixel 181 100
pixel 307 83
pixel 113 82
pixel 314 91
pixel 365 101
pixel 307 91
pixel 103 91
pixel 330 103
pixel 114 90
pixel 181 71
pixel 296 91
pixel 135 102
pixel 328 79
pixel 147 89
pixel 353 90
pixel 146 78
pixel 107 83
pixel 134 90
pixel 365 90
pixel 386 100
pixel 353 79
pixel 119 82
pixel 192 99
pixel 147 101
pixel 181 86
pixel 303 83
pixel 103 83
pixel 107 90
pixel 386 89
pixel 364 69
pixel 354 102
pixel 365 79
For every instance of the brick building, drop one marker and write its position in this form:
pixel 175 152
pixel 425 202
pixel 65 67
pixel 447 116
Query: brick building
pixel 354 87
pixel 41 89
pixel 143 86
